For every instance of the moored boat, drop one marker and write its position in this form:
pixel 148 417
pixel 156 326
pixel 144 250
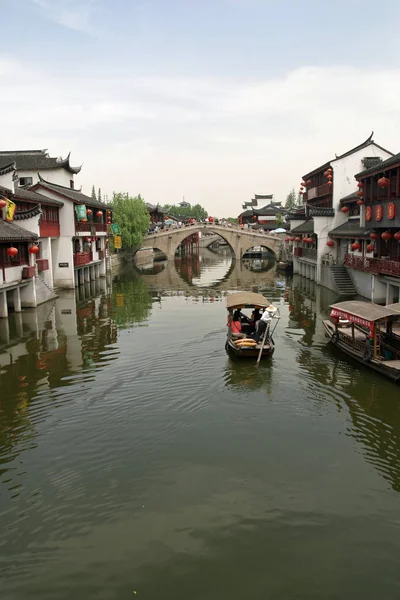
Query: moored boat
pixel 246 344
pixel 369 333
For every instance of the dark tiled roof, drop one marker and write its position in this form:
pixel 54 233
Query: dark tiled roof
pixel 350 229
pixel 246 213
pixel 320 211
pixel 307 227
pixel 263 196
pixel 154 208
pixel 21 215
pixel 37 160
pixel 350 198
pixel 29 196
pixel 386 164
pixel 6 166
pixel 12 232
pixel 71 194
pixel 368 142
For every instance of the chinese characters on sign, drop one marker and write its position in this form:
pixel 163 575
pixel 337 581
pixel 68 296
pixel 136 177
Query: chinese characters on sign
pixel 351 318
pixel 379 212
pixel 391 210
pixel 117 241
pixel 368 213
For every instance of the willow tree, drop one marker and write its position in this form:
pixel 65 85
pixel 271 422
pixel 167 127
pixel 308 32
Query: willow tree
pixel 133 218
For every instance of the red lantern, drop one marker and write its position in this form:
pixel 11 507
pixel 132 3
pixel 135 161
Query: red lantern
pixel 12 251
pixel 84 220
pixel 330 171
pixel 34 249
pixel 383 182
pixel 360 185
pixel 345 209
pixel 329 183
pixel 3 203
pixel 303 184
pixel 355 246
pixel 326 173
pixel 360 202
pixel 292 239
pixel 329 176
pixel 386 235
pixel 309 182
pixel 330 243
pixel 370 247
pixel 286 239
pixel 308 240
pixel 298 239
pixel 374 236
pixel 397 236
pixel 360 194
pixel 89 211
pixel 99 213
pixel 109 222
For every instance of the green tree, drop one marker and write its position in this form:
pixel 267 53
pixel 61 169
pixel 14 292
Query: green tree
pixel 99 196
pixel 94 197
pixel 291 200
pixel 132 216
pixel 279 220
pixel 195 212
pixel 233 220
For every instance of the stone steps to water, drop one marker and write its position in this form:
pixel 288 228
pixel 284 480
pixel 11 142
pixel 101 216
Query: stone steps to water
pixel 344 283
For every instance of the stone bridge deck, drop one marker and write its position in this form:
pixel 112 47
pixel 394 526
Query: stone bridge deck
pixel 239 240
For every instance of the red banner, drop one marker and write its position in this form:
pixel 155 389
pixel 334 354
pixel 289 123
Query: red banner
pixel 368 213
pixel 391 210
pixel 348 317
pixel 379 212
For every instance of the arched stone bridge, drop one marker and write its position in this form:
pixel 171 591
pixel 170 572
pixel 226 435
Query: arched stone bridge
pixel 238 239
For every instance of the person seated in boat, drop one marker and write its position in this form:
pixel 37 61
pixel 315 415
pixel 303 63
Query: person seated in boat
pixel 255 317
pixel 236 325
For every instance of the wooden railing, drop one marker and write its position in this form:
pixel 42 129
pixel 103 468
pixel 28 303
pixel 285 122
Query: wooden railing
pixel 310 253
pixel 373 265
pixel 318 191
pixel 87 226
pixel 83 258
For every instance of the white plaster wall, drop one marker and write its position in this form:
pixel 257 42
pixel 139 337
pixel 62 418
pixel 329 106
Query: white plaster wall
pixel 63 253
pixel 46 253
pixel 7 181
pixel 13 274
pixel 29 224
pixel 59 176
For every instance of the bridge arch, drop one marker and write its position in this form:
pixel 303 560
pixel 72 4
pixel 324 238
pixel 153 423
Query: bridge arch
pixel 264 247
pixel 238 240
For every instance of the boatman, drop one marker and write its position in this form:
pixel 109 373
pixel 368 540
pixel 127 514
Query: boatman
pixel 265 322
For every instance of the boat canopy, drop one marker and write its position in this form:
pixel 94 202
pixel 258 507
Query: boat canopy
pixel 246 299
pixel 395 307
pixel 363 313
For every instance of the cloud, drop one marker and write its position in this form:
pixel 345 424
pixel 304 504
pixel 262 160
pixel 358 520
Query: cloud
pixel 213 140
pixel 73 14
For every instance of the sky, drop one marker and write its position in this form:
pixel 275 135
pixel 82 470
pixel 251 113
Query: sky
pixel 211 100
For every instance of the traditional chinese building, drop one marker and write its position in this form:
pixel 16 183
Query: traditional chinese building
pixel 321 239
pixel 30 164
pixel 267 217
pixel 156 213
pixel 374 260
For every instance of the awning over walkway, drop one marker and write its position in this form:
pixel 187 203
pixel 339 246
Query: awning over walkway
pixel 350 229
pixel 307 227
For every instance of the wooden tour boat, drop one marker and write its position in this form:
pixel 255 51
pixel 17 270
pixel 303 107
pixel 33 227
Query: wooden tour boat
pixel 368 332
pixel 244 345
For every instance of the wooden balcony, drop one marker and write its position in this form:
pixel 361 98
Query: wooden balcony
pixel 82 258
pixel 49 228
pixel 89 227
pixel 377 266
pixel 318 191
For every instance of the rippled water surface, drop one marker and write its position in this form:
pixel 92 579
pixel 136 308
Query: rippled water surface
pixel 138 459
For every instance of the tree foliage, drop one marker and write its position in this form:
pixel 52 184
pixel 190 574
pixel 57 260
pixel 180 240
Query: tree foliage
pixel 132 216
pixel 233 220
pixel 94 197
pixel 292 200
pixel 195 212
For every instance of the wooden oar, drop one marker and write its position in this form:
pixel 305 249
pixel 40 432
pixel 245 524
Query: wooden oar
pixel 262 345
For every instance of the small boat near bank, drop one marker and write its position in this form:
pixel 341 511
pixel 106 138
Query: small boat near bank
pixel 245 344
pixel 369 333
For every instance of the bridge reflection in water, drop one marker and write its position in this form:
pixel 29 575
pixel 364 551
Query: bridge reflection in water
pixel 210 270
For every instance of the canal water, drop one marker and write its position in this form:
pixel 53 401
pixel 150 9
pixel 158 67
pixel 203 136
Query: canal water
pixel 138 460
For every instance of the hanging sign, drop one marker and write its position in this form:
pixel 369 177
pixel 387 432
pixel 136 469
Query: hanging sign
pixel 120 299
pixel 391 210
pixel 379 212
pixel 115 229
pixel 81 211
pixel 368 213
pixel 117 241
pixel 10 210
